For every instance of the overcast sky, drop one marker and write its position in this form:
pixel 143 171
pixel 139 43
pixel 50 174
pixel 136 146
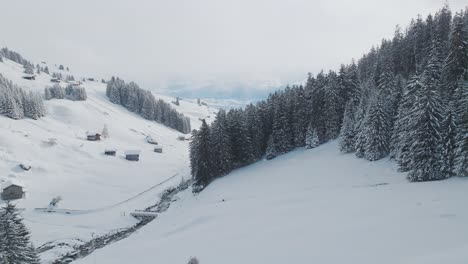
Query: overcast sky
pixel 229 43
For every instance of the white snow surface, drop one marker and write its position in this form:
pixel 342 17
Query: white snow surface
pixel 65 164
pixel 309 206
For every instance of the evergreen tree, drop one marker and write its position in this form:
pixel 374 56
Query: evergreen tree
pixel 426 117
pixel 348 132
pixel 201 158
pixel 377 130
pixel 312 138
pixel 448 134
pixel 461 154
pixel 457 59
pixel 221 145
pixel 15 245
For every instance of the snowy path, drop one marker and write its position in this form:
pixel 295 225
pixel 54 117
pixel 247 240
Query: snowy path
pixel 100 209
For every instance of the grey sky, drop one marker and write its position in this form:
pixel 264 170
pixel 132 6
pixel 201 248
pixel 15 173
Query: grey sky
pixel 238 43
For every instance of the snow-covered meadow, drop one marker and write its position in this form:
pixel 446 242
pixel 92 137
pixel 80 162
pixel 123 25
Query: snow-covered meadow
pixel 65 164
pixel 309 206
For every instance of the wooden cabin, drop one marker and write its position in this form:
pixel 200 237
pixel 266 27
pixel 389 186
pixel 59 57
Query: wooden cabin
pixel 110 152
pixel 92 136
pixel 30 77
pixel 158 149
pixel 55 80
pixel 181 138
pixel 132 155
pixel 12 191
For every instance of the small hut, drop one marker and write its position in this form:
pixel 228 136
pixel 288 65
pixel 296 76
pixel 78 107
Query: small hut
pixel 110 152
pixel 132 155
pixel 12 190
pixel 92 136
pixel 158 149
pixel 181 138
pixel 30 77
pixel 55 80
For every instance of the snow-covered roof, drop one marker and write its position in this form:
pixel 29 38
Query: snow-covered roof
pixel 92 133
pixel 158 147
pixel 29 75
pixel 11 183
pixel 110 149
pixel 132 152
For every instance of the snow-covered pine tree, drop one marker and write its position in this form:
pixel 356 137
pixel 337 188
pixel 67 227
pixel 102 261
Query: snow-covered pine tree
pixel 402 134
pixel 424 153
pixel 378 121
pixel 221 145
pixel 28 69
pixel 448 137
pixel 300 116
pixel 333 107
pixel 241 143
pixel 312 138
pixel 201 158
pixel 255 130
pixel 348 132
pixel 377 129
pixel 15 245
pixel 461 154
pixel 457 59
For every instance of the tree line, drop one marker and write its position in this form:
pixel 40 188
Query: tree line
pixel 16 103
pixel 406 99
pixel 142 102
pixel 73 93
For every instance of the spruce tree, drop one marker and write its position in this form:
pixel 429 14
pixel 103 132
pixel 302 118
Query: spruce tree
pixel 15 245
pixel 221 145
pixel 461 153
pixel 201 158
pixel 457 59
pixel 348 132
pixel 424 153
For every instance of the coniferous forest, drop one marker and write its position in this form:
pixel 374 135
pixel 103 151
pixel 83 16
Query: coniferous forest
pixel 142 102
pixel 17 104
pixel 406 99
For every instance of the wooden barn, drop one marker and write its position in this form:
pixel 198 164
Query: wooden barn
pixel 12 190
pixel 132 155
pixel 92 136
pixel 158 149
pixel 110 152
pixel 29 77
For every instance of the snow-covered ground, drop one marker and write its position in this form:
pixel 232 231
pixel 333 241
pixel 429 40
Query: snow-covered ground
pixel 309 206
pixel 77 169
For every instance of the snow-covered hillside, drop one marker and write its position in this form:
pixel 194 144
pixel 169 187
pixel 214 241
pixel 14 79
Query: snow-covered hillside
pixel 64 163
pixel 309 206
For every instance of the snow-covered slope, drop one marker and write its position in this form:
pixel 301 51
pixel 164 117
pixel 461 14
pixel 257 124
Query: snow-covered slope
pixel 64 163
pixel 309 206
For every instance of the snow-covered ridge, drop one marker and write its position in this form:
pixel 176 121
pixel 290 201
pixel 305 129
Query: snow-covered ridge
pixel 63 163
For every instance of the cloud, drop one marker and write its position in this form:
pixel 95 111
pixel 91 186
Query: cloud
pixel 162 43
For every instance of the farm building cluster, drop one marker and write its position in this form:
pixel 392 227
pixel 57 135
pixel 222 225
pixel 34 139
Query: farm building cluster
pixel 131 155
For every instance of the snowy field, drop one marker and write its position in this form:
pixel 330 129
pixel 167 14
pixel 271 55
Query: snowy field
pixel 64 163
pixel 309 206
